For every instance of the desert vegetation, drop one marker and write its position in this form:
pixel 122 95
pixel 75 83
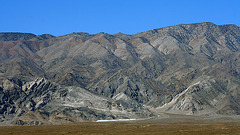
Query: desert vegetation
pixel 126 128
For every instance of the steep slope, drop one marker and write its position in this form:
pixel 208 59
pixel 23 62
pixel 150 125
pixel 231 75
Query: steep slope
pixel 42 102
pixel 204 97
pixel 188 68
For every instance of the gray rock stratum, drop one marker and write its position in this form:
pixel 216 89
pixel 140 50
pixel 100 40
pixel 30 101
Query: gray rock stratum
pixel 191 69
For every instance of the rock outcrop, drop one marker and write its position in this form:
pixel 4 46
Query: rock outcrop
pixel 42 102
pixel 189 69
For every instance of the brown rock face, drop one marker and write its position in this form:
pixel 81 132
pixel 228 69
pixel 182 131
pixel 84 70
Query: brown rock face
pixel 189 69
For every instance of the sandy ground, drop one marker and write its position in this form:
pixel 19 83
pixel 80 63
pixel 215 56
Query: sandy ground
pixel 166 124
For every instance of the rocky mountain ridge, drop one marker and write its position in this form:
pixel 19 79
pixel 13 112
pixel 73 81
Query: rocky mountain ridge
pixel 188 69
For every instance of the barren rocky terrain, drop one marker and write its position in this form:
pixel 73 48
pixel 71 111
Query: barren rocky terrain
pixel 187 69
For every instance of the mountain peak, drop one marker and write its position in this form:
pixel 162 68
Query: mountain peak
pixel 190 69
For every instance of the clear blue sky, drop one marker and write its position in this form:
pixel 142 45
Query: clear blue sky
pixel 60 17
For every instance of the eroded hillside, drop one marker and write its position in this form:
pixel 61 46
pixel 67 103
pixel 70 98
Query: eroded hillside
pixel 186 69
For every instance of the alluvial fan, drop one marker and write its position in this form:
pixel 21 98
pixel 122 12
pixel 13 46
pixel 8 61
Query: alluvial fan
pixel 191 69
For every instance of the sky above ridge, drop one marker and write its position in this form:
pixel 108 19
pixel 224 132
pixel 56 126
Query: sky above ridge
pixel 61 17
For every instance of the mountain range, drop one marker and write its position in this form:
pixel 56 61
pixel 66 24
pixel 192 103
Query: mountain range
pixel 189 69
